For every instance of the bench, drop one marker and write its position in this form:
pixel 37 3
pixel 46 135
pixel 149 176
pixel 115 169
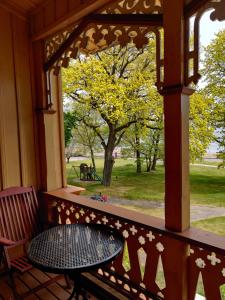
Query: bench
pixel 20 222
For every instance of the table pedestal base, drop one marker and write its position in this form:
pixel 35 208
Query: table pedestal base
pixel 77 289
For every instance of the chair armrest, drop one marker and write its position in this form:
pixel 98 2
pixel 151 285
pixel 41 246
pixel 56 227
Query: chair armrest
pixel 6 242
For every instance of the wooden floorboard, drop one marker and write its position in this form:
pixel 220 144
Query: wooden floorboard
pixel 32 279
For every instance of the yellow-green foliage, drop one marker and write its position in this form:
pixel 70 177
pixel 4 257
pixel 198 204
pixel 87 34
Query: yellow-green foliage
pixel 200 131
pixel 115 88
pixel 115 84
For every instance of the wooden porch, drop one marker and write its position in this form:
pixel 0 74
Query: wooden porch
pixel 167 259
pixel 28 286
pixel 29 281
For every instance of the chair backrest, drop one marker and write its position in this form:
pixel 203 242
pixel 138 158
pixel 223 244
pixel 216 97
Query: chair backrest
pixel 19 213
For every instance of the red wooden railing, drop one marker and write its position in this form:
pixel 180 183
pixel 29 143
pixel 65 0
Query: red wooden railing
pixel 152 255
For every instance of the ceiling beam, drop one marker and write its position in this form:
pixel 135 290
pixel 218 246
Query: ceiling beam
pixel 110 19
pixel 127 19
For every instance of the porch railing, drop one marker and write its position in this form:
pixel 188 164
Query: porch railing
pixel 155 261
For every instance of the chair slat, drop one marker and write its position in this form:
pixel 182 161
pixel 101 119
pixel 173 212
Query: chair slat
pixel 18 217
pixel 15 221
pixel 19 212
pixel 22 220
pixel 28 214
pixel 35 208
pixel 8 220
pixel 2 224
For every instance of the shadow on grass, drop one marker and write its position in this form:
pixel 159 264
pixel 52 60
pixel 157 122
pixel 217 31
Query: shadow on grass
pixel 207 184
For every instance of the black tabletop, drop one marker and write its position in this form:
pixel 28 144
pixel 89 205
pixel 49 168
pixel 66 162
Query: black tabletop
pixel 75 247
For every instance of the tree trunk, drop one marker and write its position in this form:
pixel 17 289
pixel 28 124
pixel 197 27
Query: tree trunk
pixel 93 158
pixel 156 152
pixel 138 153
pixel 148 164
pixel 109 160
pixel 138 161
pixel 68 159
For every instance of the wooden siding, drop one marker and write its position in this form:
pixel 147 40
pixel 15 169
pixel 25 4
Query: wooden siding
pixel 17 142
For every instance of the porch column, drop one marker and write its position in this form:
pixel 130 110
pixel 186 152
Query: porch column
pixel 50 146
pixel 176 110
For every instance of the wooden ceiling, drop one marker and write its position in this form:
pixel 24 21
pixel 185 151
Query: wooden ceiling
pixel 22 6
pixel 26 6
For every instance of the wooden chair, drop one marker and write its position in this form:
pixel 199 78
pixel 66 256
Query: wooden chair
pixel 20 222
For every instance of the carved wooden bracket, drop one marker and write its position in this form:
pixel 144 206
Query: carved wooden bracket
pixel 122 23
pixel 219 11
pixel 191 64
pixel 127 21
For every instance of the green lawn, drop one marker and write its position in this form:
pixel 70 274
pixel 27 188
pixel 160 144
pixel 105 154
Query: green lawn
pixel 216 225
pixel 207 184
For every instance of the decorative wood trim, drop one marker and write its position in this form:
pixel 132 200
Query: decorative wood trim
pixel 141 20
pixel 194 6
pixel 197 237
pixel 173 89
pixel 77 31
pixel 191 60
pixel 183 255
pixel 219 11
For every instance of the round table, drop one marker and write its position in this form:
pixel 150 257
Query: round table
pixel 75 248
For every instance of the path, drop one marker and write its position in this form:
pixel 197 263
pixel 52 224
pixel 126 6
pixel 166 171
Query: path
pixel 203 165
pixel 198 212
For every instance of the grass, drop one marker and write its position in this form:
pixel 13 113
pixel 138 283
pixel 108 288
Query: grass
pixel 126 183
pixel 207 184
pixel 207 188
pixel 216 225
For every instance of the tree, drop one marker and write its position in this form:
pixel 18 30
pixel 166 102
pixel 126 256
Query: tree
pixel 69 124
pixel 145 141
pixel 148 142
pixel 114 89
pixel 111 91
pixel 86 137
pixel 214 76
pixel 200 127
pixel 69 150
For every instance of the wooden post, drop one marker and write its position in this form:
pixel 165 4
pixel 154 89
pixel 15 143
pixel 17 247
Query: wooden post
pixel 49 126
pixel 40 101
pixel 176 109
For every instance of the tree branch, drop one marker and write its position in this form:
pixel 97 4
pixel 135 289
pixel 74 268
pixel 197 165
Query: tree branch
pixel 118 140
pixel 95 128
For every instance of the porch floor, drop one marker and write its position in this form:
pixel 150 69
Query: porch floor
pixel 30 280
